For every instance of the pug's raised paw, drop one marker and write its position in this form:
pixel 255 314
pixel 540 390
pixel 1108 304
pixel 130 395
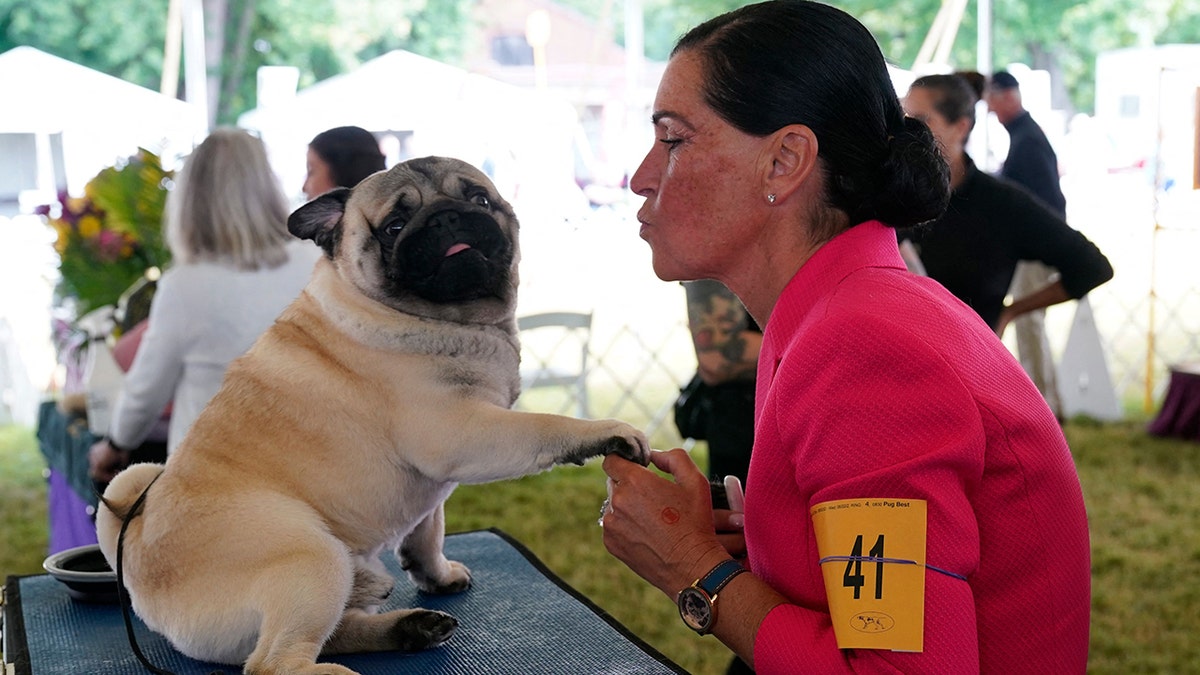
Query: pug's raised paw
pixel 623 440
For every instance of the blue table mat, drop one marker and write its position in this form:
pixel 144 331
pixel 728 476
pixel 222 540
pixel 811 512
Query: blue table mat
pixel 517 617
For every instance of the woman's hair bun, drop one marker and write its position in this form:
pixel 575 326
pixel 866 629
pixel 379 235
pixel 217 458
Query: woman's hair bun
pixel 914 183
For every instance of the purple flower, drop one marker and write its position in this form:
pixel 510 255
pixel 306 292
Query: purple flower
pixel 109 244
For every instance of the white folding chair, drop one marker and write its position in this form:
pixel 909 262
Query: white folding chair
pixel 554 353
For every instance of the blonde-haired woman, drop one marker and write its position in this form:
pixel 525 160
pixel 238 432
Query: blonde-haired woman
pixel 234 268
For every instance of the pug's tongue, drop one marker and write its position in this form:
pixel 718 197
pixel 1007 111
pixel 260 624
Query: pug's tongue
pixel 457 248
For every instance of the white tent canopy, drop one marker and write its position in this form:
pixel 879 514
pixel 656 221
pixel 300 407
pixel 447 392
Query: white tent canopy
pixel 100 118
pixel 524 137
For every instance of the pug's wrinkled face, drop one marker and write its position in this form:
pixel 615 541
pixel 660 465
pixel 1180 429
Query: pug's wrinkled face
pixel 426 235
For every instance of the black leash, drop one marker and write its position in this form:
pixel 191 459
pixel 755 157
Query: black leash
pixel 134 511
pixel 122 597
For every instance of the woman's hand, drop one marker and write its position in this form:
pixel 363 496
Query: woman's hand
pixel 664 530
pixel 105 461
pixel 729 532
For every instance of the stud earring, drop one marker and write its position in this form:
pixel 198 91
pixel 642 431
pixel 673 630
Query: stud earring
pixel 771 198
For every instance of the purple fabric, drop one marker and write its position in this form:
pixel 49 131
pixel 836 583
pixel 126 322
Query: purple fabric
pixel 70 523
pixel 1180 413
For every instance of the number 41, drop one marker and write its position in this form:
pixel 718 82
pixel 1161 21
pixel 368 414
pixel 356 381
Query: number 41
pixel 853 577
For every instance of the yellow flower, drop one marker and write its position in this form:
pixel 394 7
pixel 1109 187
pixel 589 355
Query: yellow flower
pixel 89 227
pixel 77 204
pixel 64 234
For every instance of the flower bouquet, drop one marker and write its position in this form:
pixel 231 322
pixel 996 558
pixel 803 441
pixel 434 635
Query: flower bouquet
pixel 109 237
pixel 108 241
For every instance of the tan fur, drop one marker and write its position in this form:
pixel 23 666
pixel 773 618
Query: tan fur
pixel 338 436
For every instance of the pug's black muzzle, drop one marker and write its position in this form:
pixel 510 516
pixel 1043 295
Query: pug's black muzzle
pixel 456 256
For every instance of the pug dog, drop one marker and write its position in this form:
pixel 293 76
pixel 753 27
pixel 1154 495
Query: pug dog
pixel 341 433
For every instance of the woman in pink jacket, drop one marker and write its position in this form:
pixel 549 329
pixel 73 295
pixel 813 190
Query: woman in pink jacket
pixel 911 504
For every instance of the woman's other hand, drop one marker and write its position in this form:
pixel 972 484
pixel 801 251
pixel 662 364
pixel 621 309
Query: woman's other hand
pixel 105 461
pixel 730 522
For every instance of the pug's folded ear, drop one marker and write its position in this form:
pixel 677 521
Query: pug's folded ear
pixel 318 220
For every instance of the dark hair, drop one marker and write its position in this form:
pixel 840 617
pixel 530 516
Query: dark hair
pixel 785 62
pixel 1002 79
pixel 352 154
pixel 954 96
pixel 976 79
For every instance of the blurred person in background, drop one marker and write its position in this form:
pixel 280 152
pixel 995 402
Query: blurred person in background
pixel 727 342
pixel 993 225
pixel 1032 163
pixel 340 157
pixel 234 268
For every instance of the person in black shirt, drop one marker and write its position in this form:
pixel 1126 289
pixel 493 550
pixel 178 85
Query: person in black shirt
pixel 1033 164
pixel 727 341
pixel 991 224
pixel 1031 160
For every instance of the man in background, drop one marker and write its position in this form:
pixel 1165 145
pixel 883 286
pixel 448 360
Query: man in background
pixel 1031 160
pixel 1033 164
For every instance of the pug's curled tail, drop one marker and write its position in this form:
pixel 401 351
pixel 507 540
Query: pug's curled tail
pixel 123 501
pixel 122 494
pixel 121 512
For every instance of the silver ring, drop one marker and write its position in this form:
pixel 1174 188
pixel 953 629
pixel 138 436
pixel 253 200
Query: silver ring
pixel 604 508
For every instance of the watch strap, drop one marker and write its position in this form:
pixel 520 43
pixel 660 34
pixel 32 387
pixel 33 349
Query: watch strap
pixel 718 576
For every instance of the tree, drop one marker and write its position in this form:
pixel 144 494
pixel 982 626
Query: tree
pixel 126 38
pixel 1060 36
pixel 1063 37
pixel 322 37
pixel 123 38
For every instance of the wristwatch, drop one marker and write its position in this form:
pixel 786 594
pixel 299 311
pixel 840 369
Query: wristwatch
pixel 697 603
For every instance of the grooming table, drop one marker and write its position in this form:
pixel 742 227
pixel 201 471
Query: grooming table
pixel 517 617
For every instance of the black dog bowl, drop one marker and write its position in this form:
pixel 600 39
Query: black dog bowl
pixel 85 573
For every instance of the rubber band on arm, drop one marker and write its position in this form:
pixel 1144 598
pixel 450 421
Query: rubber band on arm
pixel 898 561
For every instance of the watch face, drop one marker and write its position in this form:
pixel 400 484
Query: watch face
pixel 695 609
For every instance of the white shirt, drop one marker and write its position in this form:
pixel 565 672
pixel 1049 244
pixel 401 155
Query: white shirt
pixel 203 316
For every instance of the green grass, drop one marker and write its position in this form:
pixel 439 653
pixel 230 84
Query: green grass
pixel 1143 497
pixel 24 536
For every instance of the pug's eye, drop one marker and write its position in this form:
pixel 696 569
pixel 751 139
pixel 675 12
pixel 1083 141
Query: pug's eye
pixel 481 199
pixel 393 228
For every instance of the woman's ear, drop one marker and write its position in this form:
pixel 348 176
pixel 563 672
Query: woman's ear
pixel 962 128
pixel 792 157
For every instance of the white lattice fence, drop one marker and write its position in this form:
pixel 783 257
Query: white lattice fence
pixel 641 351
pixel 1148 316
